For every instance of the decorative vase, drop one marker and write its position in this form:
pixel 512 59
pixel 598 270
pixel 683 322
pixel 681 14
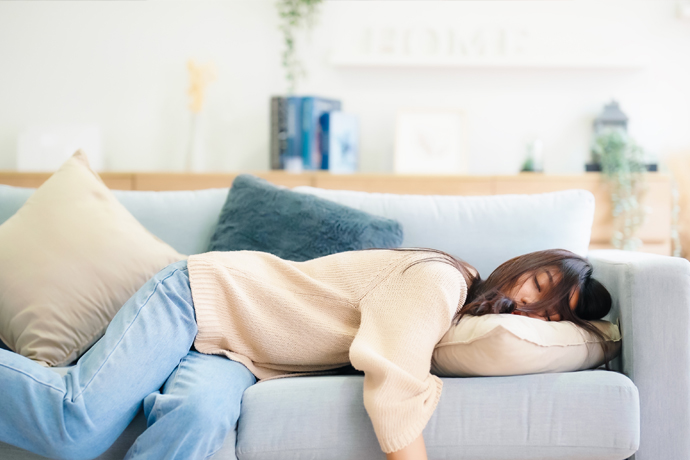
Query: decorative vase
pixel 194 161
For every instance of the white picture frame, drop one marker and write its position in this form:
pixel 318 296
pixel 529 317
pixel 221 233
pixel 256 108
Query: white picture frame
pixel 430 141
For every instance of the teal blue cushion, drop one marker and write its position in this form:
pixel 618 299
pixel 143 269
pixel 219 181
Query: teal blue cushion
pixel 259 216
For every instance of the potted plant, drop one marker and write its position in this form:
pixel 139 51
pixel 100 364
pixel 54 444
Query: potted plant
pixel 622 165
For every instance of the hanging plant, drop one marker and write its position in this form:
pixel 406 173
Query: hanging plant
pixel 622 163
pixel 294 14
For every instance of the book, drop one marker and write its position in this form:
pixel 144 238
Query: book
pixel 339 142
pixel 294 133
pixel 312 109
pixel 278 145
pixel 286 131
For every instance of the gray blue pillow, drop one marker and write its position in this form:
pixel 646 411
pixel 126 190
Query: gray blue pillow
pixel 259 216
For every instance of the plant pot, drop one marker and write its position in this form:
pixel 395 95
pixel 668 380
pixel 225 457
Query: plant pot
pixel 596 167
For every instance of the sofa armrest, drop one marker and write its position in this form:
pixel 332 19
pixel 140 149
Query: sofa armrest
pixel 651 299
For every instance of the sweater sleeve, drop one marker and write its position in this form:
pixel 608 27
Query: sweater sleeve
pixel 402 319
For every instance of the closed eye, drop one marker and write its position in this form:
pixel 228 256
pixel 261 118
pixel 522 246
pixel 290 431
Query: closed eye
pixel 536 283
pixel 553 316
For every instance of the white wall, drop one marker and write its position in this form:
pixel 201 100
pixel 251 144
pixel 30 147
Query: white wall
pixel 123 65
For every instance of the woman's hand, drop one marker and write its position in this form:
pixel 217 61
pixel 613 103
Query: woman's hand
pixel 415 451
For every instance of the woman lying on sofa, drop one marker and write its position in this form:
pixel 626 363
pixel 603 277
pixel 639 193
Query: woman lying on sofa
pixel 383 311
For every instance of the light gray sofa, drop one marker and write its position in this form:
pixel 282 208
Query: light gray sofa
pixel 582 415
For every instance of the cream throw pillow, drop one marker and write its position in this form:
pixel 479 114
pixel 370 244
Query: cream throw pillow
pixel 69 259
pixel 493 345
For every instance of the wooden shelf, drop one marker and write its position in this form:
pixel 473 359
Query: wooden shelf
pixel 655 233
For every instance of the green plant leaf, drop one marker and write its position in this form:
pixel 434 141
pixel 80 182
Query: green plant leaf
pixel 294 15
pixel 622 164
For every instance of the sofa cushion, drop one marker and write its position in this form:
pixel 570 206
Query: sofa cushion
pixel 260 216
pixel 581 415
pixel 493 345
pixel 183 219
pixel 69 259
pixel 573 416
pixel 482 230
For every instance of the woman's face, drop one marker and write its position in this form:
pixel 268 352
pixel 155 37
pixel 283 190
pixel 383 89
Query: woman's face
pixel 530 288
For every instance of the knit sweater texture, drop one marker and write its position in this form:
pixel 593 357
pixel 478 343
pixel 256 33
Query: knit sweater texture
pixel 376 309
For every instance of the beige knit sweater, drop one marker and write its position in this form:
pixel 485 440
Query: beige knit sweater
pixel 278 317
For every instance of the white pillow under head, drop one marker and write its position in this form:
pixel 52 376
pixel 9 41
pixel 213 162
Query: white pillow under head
pixel 494 345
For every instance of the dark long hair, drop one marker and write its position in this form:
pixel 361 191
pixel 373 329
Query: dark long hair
pixel 570 273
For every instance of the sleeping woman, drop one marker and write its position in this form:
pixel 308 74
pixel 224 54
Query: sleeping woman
pixel 201 331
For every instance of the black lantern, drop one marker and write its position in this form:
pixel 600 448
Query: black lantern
pixel 611 118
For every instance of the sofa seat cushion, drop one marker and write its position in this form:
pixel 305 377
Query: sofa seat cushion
pixel 581 415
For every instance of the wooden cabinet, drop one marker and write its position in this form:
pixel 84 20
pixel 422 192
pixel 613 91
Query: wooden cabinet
pixel 655 233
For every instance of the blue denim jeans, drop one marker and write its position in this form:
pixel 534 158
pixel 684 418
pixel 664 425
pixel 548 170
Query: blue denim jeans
pixel 191 401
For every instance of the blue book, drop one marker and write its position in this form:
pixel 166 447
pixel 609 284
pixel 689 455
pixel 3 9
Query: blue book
pixel 339 142
pixel 312 109
pixel 294 129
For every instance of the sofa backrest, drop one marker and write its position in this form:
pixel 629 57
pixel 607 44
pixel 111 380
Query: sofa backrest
pixel 482 230
pixel 183 219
